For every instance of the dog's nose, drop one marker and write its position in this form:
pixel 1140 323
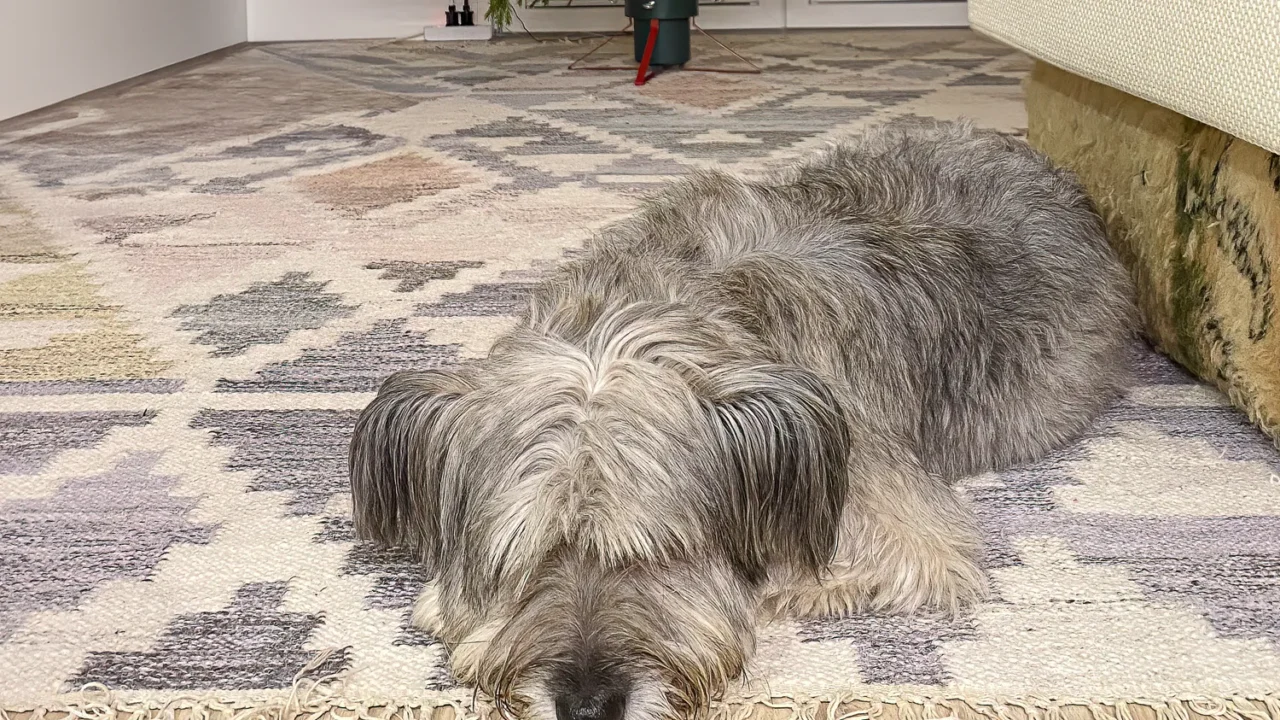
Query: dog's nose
pixel 591 706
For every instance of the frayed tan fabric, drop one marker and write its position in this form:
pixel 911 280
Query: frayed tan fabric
pixel 1194 212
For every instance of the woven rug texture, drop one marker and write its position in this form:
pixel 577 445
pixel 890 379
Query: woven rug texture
pixel 205 274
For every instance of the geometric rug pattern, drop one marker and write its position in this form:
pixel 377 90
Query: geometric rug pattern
pixel 205 275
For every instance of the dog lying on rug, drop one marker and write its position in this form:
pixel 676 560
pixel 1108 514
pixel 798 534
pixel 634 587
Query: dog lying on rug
pixel 746 399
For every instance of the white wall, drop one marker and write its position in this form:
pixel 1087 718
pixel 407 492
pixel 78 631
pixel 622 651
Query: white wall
pixel 271 20
pixel 51 50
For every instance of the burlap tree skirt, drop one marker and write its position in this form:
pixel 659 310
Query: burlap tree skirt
pixel 1194 212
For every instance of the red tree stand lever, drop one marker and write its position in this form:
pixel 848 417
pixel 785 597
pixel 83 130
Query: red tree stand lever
pixel 643 74
pixel 675 19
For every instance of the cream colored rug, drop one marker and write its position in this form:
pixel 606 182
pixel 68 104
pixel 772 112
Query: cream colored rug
pixel 203 278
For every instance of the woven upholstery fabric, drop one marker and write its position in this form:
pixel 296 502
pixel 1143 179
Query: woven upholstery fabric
pixel 1217 62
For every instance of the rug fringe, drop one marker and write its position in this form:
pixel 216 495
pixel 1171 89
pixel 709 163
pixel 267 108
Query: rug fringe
pixel 321 698
pixel 96 702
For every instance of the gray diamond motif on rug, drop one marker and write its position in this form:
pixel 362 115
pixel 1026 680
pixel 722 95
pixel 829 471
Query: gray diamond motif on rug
pixel 537 138
pixel 986 80
pixel 542 138
pixel 1225 429
pixel 31 439
pixel 1023 492
pixel 766 128
pixel 1152 368
pixel 1238 593
pixel 400 577
pixel 857 64
pixel 116 229
pixel 1225 568
pixel 415 275
pixel 881 98
pixel 265 313
pixel 250 645
pixel 483 300
pixel 113 526
pixel 357 362
pixel 298 150
pixel 894 649
pixel 300 452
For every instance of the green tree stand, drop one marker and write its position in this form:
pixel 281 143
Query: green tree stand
pixel 662 33
pixel 662 39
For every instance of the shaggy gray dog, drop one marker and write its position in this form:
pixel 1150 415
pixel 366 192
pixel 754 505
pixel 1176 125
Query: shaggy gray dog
pixel 748 398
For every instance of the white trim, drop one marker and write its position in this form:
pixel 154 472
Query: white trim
pixel 768 14
pixel 270 20
pixel 807 14
pixel 456 33
pixel 285 20
pixel 765 15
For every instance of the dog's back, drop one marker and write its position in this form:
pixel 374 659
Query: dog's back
pixel 957 290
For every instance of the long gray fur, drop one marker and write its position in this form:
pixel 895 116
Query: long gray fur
pixel 749 398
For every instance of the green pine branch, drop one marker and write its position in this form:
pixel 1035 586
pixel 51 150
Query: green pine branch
pixel 499 14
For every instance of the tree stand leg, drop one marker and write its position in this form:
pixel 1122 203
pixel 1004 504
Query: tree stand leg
pixel 643 75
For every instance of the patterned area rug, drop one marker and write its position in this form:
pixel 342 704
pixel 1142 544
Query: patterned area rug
pixel 205 275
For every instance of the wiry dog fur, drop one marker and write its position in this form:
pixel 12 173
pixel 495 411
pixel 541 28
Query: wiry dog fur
pixel 748 396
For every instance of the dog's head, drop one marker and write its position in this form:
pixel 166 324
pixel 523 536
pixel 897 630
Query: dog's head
pixel 600 514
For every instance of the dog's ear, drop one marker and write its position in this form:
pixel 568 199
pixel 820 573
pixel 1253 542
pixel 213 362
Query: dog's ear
pixel 784 445
pixel 396 459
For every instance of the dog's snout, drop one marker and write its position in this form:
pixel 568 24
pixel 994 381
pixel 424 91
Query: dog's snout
pixel 591 705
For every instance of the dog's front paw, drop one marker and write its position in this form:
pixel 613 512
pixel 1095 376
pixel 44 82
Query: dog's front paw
pixel 912 543
pixel 924 577
pixel 901 582
pixel 890 568
pixel 426 611
pixel 839 595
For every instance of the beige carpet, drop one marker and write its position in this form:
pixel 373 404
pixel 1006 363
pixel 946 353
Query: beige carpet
pixel 203 278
